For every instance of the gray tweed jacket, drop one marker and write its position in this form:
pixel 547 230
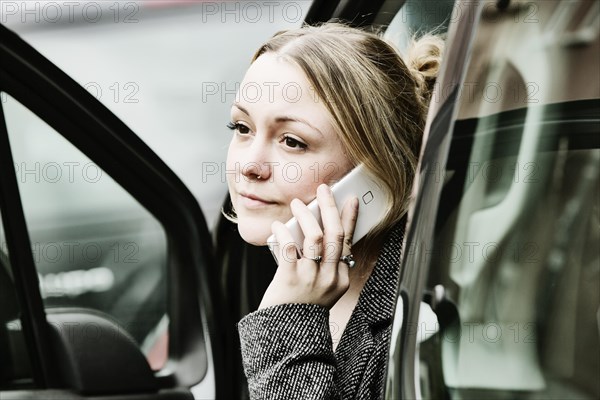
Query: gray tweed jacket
pixel 287 349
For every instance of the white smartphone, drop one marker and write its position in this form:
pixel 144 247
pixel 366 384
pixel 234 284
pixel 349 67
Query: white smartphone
pixel 372 203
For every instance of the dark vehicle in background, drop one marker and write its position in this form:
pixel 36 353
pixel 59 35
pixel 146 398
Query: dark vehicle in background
pixel 501 242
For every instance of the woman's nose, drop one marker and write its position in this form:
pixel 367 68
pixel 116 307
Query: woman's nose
pixel 257 164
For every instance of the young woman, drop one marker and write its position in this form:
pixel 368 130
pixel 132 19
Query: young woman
pixel 316 102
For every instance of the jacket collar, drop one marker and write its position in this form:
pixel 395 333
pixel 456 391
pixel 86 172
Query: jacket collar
pixel 378 297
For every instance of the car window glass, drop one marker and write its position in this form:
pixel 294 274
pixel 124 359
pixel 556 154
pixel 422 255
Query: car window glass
pixel 15 371
pixel 515 251
pixel 93 244
pixel 417 18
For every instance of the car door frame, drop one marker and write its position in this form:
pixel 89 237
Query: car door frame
pixel 402 377
pixel 194 299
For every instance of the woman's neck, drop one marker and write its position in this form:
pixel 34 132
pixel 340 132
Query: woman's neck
pixel 365 257
pixel 340 313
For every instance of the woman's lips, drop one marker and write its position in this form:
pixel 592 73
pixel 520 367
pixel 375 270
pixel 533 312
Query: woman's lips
pixel 251 201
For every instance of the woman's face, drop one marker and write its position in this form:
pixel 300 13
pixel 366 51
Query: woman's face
pixel 284 145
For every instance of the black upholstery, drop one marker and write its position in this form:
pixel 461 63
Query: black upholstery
pixel 96 356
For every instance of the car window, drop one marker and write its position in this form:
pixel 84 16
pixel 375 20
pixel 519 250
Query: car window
pixel 418 18
pixel 515 256
pixel 93 245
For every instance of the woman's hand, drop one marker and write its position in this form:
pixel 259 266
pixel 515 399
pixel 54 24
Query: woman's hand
pixel 304 280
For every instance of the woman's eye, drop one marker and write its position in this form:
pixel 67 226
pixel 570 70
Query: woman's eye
pixel 294 144
pixel 236 126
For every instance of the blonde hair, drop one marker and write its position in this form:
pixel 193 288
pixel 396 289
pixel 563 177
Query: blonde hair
pixel 377 100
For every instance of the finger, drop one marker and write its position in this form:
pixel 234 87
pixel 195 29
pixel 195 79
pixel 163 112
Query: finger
pixel 333 231
pixel 290 263
pixel 349 218
pixel 284 247
pixel 312 246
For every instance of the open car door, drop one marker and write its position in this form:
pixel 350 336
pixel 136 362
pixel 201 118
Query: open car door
pixel 106 282
pixel 503 232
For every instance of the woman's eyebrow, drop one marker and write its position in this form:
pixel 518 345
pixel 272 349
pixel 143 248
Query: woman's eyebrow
pixel 242 109
pixel 288 118
pixel 283 118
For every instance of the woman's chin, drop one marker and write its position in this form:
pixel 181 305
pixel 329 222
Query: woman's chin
pixel 253 235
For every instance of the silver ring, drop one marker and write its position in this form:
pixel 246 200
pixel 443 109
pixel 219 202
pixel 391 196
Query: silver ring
pixel 348 260
pixel 316 259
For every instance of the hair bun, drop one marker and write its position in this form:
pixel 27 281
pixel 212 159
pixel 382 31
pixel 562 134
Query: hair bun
pixel 424 57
